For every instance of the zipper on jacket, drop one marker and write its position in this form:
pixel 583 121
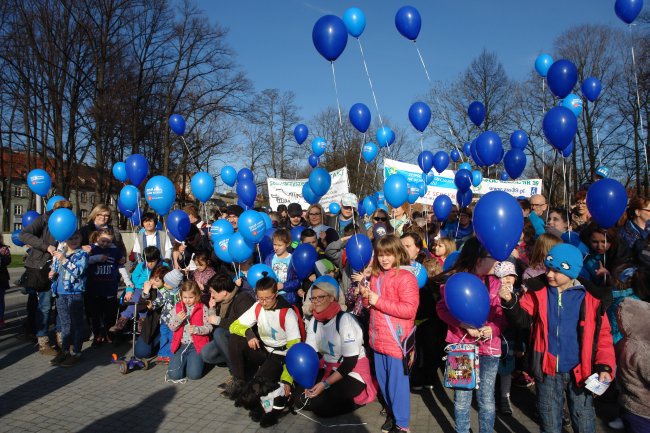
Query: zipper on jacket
pixel 557 330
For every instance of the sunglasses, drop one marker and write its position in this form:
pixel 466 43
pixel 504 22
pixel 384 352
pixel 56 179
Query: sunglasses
pixel 314 214
pixel 380 219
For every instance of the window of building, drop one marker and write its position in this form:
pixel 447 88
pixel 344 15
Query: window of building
pixel 18 191
pixel 92 198
pixel 18 209
pixel 84 197
pixel 84 214
pixel 18 226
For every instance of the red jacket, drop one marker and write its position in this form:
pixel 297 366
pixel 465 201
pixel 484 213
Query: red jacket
pixel 196 319
pixel 399 299
pixel 594 332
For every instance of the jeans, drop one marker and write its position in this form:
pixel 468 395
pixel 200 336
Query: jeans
pixel 550 403
pixel 71 316
pixel 216 351
pixel 129 311
pixel 146 350
pixel 486 411
pixel 43 312
pixel 185 363
pixel 166 335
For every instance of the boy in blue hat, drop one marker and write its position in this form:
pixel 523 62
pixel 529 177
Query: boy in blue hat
pixel 570 337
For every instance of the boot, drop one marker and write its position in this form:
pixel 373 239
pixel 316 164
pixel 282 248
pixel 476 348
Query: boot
pixel 505 407
pixel 44 347
pixel 119 325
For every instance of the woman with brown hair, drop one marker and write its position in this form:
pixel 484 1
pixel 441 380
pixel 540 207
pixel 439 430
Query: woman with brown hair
pixel 379 221
pixel 100 218
pixel 580 216
pixel 399 218
pixel 635 228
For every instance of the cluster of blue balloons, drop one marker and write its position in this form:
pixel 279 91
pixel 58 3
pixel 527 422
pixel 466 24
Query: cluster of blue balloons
pixel 246 188
pixel 254 228
pixel 514 160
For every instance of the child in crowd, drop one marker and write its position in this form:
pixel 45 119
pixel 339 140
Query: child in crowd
pixel 392 297
pixel 69 283
pixel 191 329
pixel 280 262
pixel 151 236
pixel 202 274
pixel 602 257
pixel 570 337
pixel 104 270
pixel 167 284
pixel 442 248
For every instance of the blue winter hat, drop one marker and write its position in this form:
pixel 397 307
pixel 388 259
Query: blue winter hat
pixel 565 259
pixel 602 171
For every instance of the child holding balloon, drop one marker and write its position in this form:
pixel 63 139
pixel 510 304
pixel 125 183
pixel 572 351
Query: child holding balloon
pixel 280 262
pixel 392 298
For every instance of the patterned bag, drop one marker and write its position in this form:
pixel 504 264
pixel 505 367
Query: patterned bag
pixel 461 366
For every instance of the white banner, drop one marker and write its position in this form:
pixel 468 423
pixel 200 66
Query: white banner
pixel 285 191
pixel 443 183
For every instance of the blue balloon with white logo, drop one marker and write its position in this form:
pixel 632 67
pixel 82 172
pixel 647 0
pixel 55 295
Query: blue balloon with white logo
pixel 369 152
pixel 574 103
pixel 160 193
pixel 39 181
pixel 239 248
pixel 318 146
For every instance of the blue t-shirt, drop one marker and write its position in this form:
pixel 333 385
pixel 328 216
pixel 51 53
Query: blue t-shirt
pixel 281 267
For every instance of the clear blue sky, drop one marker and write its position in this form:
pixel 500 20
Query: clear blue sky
pixel 273 43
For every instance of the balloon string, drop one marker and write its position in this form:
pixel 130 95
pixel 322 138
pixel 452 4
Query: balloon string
pixel 638 102
pixel 372 90
pixel 196 161
pixel 600 158
pixel 356 185
pixel 543 144
pixel 550 194
pixel 564 188
pixel 569 191
pixel 338 105
pixel 422 60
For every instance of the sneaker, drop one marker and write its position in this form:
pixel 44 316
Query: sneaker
pixel 279 403
pixel 398 429
pixel 523 380
pixel 119 325
pixel 388 425
pixel 616 424
pixel 44 347
pixel 59 358
pixel 70 360
pixel 505 407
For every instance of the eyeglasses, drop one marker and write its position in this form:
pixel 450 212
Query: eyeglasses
pixel 318 299
pixel 105 215
pixel 265 300
pixel 537 204
pixel 314 214
pixel 380 219
pixel 645 209
pixel 295 216
pixel 581 203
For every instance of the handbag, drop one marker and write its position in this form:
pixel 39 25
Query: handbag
pixel 407 345
pixel 36 278
pixel 461 366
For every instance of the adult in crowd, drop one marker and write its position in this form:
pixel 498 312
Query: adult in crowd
pixel 37 267
pixel 538 216
pixel 232 214
pixel 400 218
pixel 636 226
pixel 100 218
pixel 580 216
pixel 151 236
pixel 195 218
pixel 461 230
pixel 379 224
pixel 294 211
pixel 349 206
pixel 283 215
pixel 558 221
pixel 316 221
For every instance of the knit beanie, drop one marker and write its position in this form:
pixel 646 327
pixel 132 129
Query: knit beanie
pixel 565 259
pixel 328 285
pixel 323 267
pixel 173 278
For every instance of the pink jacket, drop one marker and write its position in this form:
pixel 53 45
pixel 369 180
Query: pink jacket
pixel 399 299
pixel 496 320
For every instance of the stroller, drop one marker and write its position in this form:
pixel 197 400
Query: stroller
pixel 125 363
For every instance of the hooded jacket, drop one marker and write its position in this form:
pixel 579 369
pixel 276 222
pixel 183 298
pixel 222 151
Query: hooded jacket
pixel 632 356
pixel 596 351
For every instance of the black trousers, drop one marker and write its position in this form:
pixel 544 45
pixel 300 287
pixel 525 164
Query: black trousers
pixel 248 363
pixel 335 401
pixel 102 311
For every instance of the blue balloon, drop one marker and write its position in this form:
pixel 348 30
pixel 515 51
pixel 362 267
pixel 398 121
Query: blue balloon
pixel 220 245
pixel 62 224
pixel 330 36
pixel 464 198
pixel 467 299
pixel 385 136
pixel 574 103
pixel 419 272
pixel 591 88
pixel 370 204
pixel 29 217
pixel 425 161
pixel 359 252
pixel 542 64
pixel 628 10
pixel 123 209
pixel 245 175
pixel 361 209
pixel 504 177
pixel 489 147
pixel 455 155
pixel 247 192
pixel 396 190
pixel 440 161
pixel 369 152
pixel 465 166
pixel 302 364
pixel 52 201
pixel 355 21
pixel 379 196
pixel 177 124
pixel 408 22
pixel 419 115
pixel 137 169
pixel 266 244
pixel 463 179
pixel 466 149
pixel 309 195
pixel 303 259
pixel 119 171
pixel 219 228
pixel 498 223
pixel 251 225
pixel 320 181
pixel 567 151
pixel 136 217
pixel 313 160
pixel 239 248
pixel 514 162
pixel 256 273
pixel 39 181
pixel 562 77
pixel 560 126
pixel 384 207
pixel 268 223
pixel 519 139
pixel 202 186
pixel 360 117
pixel 413 194
pixel 442 207
pixel 318 146
pixel 476 112
pixel 160 193
pixel 300 133
pixel 334 208
pixel 450 261
pixel 477 177
pixel 129 198
pixel 475 156
pixel 295 233
pixel 15 238
pixel 229 175
pixel 606 201
pixel 178 224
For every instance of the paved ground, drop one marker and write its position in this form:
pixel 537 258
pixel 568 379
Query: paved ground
pixel 94 397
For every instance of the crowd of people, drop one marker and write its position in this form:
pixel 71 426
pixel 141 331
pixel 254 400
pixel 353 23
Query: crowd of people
pixel 571 301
